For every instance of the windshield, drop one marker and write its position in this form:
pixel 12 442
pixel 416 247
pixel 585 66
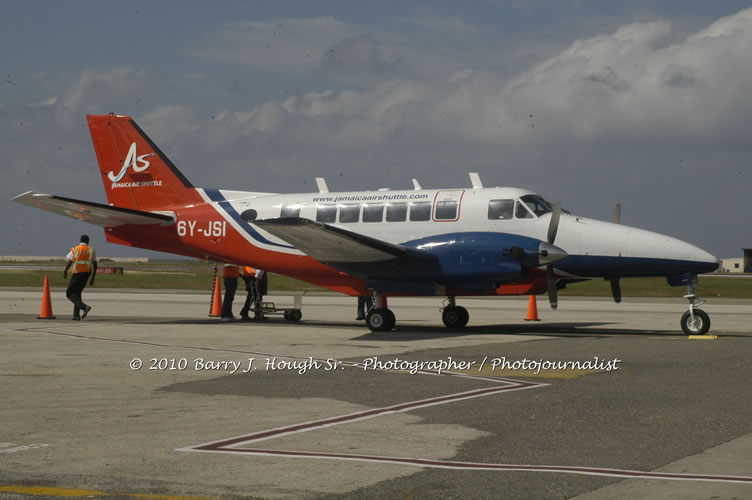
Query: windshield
pixel 537 204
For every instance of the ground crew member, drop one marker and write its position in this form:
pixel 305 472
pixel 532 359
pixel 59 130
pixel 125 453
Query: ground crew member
pixel 262 288
pixel 365 303
pixel 230 274
pixel 249 276
pixel 84 262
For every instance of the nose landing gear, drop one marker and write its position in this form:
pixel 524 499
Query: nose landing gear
pixel 695 321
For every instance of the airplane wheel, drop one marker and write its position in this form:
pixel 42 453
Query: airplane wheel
pixel 380 320
pixel 293 315
pixel 699 326
pixel 455 317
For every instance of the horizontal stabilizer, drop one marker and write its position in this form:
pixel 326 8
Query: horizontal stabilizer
pixel 94 213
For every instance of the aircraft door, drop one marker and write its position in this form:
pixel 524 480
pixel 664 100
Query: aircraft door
pixel 446 205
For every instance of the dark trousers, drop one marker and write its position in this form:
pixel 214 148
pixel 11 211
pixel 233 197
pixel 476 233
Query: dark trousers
pixel 365 303
pixel 231 284
pixel 250 298
pixel 74 290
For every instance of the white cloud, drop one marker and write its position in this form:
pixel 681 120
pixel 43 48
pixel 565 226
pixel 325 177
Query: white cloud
pixel 618 87
pixel 167 122
pixel 95 85
pixel 47 102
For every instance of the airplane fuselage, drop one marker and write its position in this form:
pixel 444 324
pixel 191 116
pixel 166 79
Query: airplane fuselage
pixel 221 228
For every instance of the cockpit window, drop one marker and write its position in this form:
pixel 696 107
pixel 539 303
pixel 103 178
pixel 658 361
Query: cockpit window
pixel 537 204
pixel 500 209
pixel 520 212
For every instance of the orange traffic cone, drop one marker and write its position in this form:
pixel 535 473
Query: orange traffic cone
pixel 216 309
pixel 46 310
pixel 532 310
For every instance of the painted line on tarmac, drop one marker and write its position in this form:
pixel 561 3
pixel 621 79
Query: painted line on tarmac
pixel 227 444
pixel 455 465
pixel 238 445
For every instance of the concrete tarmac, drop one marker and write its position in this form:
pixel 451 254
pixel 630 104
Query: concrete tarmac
pixel 148 397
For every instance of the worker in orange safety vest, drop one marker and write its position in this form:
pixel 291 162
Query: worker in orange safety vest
pixel 83 260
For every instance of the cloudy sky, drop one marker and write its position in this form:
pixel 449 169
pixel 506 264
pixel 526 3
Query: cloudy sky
pixel 644 103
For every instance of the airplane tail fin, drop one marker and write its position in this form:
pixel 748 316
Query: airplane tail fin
pixel 135 172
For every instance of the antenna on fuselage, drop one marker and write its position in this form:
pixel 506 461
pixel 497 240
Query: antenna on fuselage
pixel 475 180
pixel 616 218
pixel 321 183
pixel 416 185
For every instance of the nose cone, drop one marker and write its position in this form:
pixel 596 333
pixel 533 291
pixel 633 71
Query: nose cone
pixel 548 253
pixel 698 260
pixel 701 261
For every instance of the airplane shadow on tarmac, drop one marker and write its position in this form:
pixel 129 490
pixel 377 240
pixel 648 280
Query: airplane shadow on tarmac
pixel 404 331
pixel 580 329
pixel 407 332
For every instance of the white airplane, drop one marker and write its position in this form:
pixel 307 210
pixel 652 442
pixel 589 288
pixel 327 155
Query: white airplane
pixel 446 242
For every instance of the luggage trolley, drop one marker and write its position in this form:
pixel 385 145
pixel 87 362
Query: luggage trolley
pixel 269 308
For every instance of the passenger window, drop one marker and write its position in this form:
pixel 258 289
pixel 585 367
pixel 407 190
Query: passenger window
pixel 326 213
pixel 396 212
pixel 373 212
pixel 446 210
pixel 420 210
pixel 521 212
pixel 290 211
pixel 500 209
pixel 349 213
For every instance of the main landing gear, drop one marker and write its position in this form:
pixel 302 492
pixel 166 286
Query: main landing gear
pixel 695 321
pixel 454 316
pixel 381 319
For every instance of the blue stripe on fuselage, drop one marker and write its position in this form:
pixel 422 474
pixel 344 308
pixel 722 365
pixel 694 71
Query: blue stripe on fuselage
pixel 591 266
pixel 216 196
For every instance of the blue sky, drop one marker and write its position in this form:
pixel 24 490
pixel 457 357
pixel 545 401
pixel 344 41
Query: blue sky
pixel 644 103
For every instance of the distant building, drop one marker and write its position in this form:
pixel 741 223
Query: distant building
pixel 735 265
pixel 738 264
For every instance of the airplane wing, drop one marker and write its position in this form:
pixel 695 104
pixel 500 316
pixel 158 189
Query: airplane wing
pixel 395 267
pixel 331 244
pixel 93 213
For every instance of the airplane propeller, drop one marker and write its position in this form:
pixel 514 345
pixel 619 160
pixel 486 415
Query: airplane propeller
pixel 553 228
pixel 615 284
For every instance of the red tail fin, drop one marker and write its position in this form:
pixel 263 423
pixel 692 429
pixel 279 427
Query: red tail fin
pixel 135 173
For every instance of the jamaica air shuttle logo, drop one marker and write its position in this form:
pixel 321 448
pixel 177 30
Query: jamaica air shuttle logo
pixel 139 164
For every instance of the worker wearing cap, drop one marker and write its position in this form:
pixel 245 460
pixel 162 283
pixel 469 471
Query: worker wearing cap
pixel 83 260
pixel 230 274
